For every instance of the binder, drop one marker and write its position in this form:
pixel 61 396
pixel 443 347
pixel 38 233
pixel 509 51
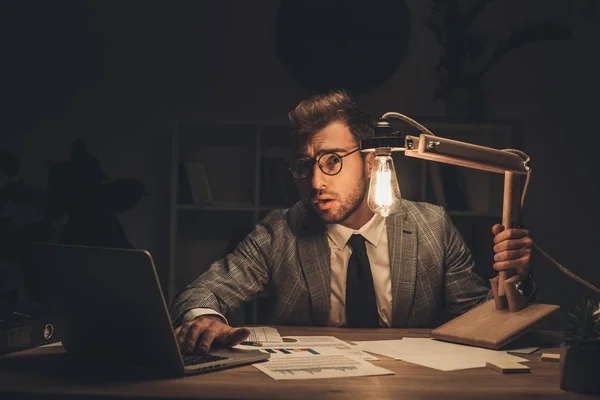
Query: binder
pixel 22 335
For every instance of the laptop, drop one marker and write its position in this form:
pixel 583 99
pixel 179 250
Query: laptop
pixel 108 305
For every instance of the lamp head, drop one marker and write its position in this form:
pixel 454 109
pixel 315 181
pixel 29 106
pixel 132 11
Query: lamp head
pixel 384 192
pixel 385 137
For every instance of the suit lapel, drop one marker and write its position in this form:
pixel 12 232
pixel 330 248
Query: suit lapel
pixel 402 247
pixel 315 261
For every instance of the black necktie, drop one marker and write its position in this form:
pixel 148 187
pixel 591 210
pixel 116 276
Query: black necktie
pixel 361 304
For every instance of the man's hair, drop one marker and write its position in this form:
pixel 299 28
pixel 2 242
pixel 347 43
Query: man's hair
pixel 314 114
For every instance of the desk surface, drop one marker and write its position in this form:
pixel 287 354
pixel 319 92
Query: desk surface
pixel 48 372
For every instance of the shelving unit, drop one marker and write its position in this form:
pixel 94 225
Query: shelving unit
pixel 235 159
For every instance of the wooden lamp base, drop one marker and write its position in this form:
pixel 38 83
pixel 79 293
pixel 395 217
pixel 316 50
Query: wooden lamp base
pixel 511 297
pixel 486 326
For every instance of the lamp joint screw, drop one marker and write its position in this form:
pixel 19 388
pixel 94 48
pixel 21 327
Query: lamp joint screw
pixel 432 144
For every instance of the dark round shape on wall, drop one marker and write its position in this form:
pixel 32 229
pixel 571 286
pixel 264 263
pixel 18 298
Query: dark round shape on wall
pixel 331 44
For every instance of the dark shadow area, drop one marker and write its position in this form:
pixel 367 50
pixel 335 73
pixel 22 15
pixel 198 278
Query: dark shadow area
pixel 56 364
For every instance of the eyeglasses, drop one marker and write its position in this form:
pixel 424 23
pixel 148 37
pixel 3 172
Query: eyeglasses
pixel 330 163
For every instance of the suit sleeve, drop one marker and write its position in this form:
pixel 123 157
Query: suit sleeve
pixel 238 277
pixel 464 289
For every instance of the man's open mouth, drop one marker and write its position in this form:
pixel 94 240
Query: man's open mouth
pixel 323 203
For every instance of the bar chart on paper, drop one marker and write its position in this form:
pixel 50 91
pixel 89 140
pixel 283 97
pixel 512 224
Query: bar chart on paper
pixel 307 365
pixel 276 350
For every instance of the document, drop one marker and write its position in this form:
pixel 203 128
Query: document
pixel 328 342
pixel 437 354
pixel 308 363
pixel 264 334
pixel 318 343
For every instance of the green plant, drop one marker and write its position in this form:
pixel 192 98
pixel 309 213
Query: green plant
pixel 467 57
pixel 583 325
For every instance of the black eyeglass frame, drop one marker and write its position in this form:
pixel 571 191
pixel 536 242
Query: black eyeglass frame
pixel 314 161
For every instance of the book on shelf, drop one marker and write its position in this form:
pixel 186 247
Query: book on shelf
pixel 195 187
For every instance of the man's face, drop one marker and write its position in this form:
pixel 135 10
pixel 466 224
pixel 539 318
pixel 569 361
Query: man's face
pixel 336 198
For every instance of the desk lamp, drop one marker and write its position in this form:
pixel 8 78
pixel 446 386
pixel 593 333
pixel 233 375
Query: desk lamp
pixel 496 322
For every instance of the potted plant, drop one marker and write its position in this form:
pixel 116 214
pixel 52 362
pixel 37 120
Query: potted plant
pixel 467 56
pixel 580 352
pixel 78 207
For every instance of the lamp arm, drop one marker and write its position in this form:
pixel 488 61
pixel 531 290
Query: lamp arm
pixel 526 164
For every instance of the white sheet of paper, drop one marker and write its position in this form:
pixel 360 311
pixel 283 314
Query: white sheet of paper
pixel 391 344
pixel 307 365
pixel 436 354
pixel 264 334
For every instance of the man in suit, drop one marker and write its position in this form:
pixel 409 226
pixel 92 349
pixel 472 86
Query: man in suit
pixel 329 260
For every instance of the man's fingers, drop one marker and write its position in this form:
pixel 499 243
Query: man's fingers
pixel 510 234
pixel 208 337
pixel 513 244
pixel 200 333
pixel 192 336
pixel 496 229
pixel 519 264
pixel 511 254
pixel 182 334
pixel 236 335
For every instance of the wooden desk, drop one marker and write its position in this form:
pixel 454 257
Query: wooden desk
pixel 49 373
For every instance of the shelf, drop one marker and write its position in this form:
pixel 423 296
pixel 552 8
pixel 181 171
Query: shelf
pixel 214 225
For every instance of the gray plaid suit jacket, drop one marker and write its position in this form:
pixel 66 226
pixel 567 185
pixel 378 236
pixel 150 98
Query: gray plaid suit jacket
pixel 288 255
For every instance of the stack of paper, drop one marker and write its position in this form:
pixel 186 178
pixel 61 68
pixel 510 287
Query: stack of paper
pixel 264 334
pixel 436 354
pixel 315 357
pixel 312 364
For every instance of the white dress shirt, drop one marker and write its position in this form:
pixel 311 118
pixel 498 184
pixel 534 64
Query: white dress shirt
pixel 376 242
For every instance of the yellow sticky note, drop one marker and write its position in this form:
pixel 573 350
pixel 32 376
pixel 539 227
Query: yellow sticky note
pixel 507 367
pixel 552 357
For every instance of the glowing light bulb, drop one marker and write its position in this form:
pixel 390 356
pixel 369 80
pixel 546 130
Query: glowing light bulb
pixel 384 191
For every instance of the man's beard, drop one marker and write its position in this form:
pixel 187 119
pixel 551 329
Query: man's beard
pixel 347 206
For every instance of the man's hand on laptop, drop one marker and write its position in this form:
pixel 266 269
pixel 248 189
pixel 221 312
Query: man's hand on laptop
pixel 198 334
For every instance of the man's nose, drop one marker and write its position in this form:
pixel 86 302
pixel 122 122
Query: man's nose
pixel 318 179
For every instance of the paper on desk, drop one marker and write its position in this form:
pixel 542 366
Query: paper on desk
pixel 318 343
pixel 310 364
pixel 380 345
pixel 436 354
pixel 264 334
pixel 331 342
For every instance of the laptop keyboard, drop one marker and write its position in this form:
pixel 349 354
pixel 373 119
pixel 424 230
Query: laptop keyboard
pixel 195 359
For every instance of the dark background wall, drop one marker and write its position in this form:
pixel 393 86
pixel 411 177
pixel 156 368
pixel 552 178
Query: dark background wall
pixel 121 74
